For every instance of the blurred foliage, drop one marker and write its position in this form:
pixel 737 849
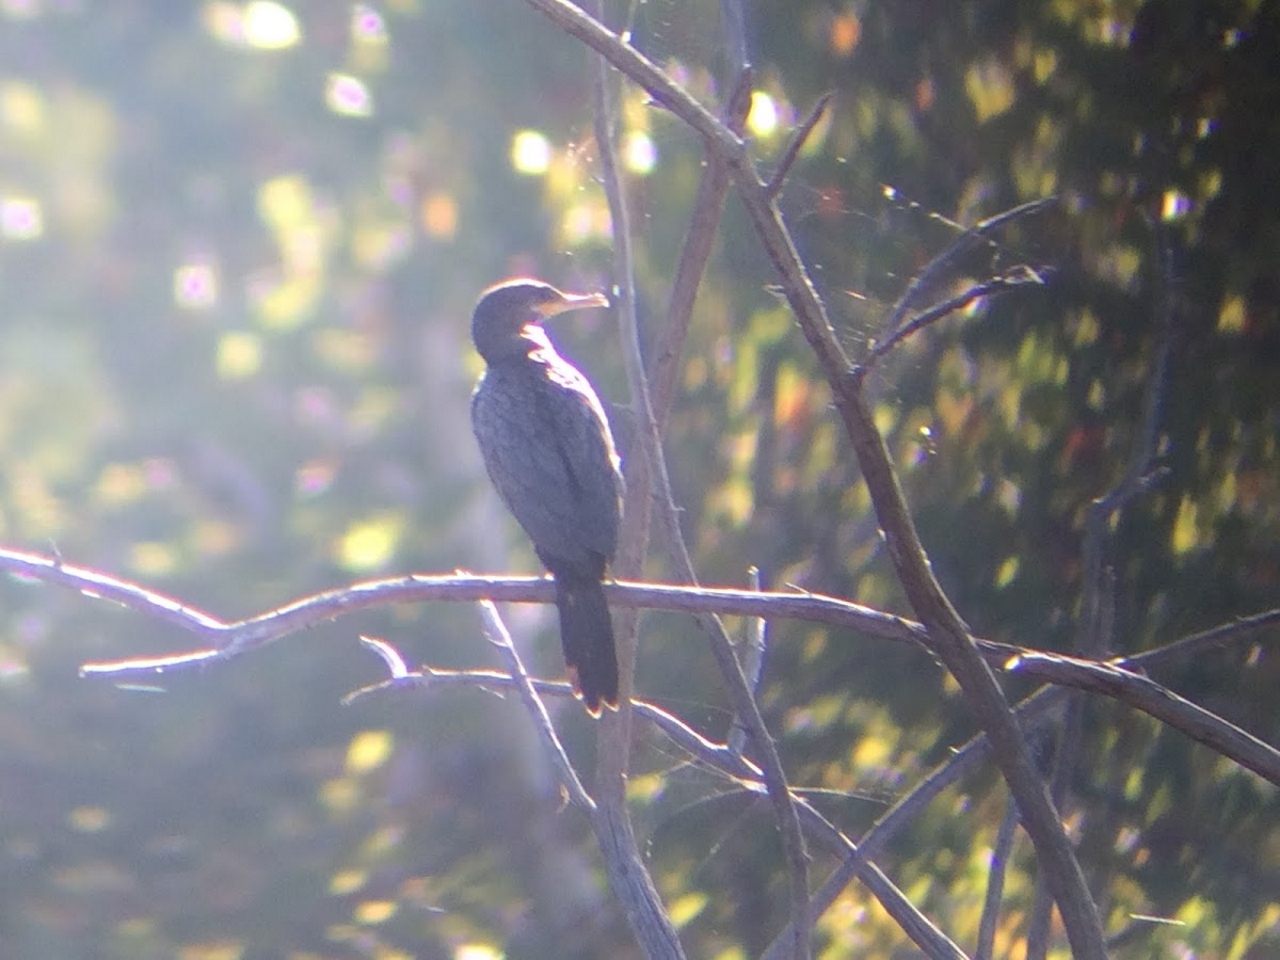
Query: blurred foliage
pixel 238 246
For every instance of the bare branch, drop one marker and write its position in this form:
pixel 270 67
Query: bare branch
pixel 744 774
pixel 1096 626
pixel 225 640
pixel 1011 279
pixel 1146 695
pixel 1000 853
pixel 708 205
pixel 497 633
pixel 1205 641
pixel 948 636
pixel 915 924
pixel 1032 712
pixel 925 280
pixel 798 140
pixel 626 867
pixel 650 445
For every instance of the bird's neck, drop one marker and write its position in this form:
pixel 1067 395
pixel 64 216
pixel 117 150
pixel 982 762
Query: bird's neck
pixel 530 344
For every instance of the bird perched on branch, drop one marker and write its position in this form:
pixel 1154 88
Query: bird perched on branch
pixel 548 450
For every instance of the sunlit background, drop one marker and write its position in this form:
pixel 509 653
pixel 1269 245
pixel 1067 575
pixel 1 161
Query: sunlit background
pixel 239 246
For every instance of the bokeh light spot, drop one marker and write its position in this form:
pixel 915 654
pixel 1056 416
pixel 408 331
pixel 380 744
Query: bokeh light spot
pixel 340 795
pixel 639 153
pixel 286 201
pixel 763 118
pixel 239 355
pixel 89 819
pixel 1175 205
pixel 846 31
pixel 585 222
pixel 347 882
pixel 1233 316
pixel 21 218
pixel 477 951
pixel 267 25
pixel 120 483
pixel 348 96
pixel 367 25
pixel 375 911
pixel 440 216
pixel 22 108
pixel 314 478
pixel 368 750
pixel 530 153
pixel 152 558
pixel 20 9
pixel 369 544
pixel 195 286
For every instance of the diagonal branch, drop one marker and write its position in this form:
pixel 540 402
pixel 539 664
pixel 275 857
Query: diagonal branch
pixel 798 139
pixel 1009 280
pixel 948 636
pixel 497 633
pixel 924 281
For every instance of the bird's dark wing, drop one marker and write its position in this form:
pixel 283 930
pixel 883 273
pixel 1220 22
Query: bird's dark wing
pixel 549 453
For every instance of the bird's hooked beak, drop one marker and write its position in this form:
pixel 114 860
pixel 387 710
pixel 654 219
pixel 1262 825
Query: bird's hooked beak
pixel 570 301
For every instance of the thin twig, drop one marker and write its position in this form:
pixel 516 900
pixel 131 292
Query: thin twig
pixel 948 636
pixel 1032 712
pixel 498 635
pixel 924 281
pixel 708 206
pixel 798 140
pixel 1000 854
pixel 744 775
pixel 1011 279
pixel 935 944
pixel 650 444
pixel 752 665
pixel 1095 632
pixel 1204 641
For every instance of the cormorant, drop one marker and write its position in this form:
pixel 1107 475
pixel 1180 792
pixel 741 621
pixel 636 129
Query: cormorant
pixel 548 450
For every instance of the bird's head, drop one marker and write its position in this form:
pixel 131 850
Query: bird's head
pixel 506 310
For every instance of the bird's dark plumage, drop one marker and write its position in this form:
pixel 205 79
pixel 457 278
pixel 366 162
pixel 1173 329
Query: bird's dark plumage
pixel 548 450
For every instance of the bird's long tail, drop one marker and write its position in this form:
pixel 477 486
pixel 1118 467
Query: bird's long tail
pixel 586 635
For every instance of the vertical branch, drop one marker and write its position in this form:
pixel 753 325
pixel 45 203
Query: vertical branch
pixel 995 882
pixel 627 872
pixel 649 443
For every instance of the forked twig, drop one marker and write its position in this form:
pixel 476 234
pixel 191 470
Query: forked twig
pixel 1017 277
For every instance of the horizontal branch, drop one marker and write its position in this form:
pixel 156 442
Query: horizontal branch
pixel 224 640
pixel 1143 693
